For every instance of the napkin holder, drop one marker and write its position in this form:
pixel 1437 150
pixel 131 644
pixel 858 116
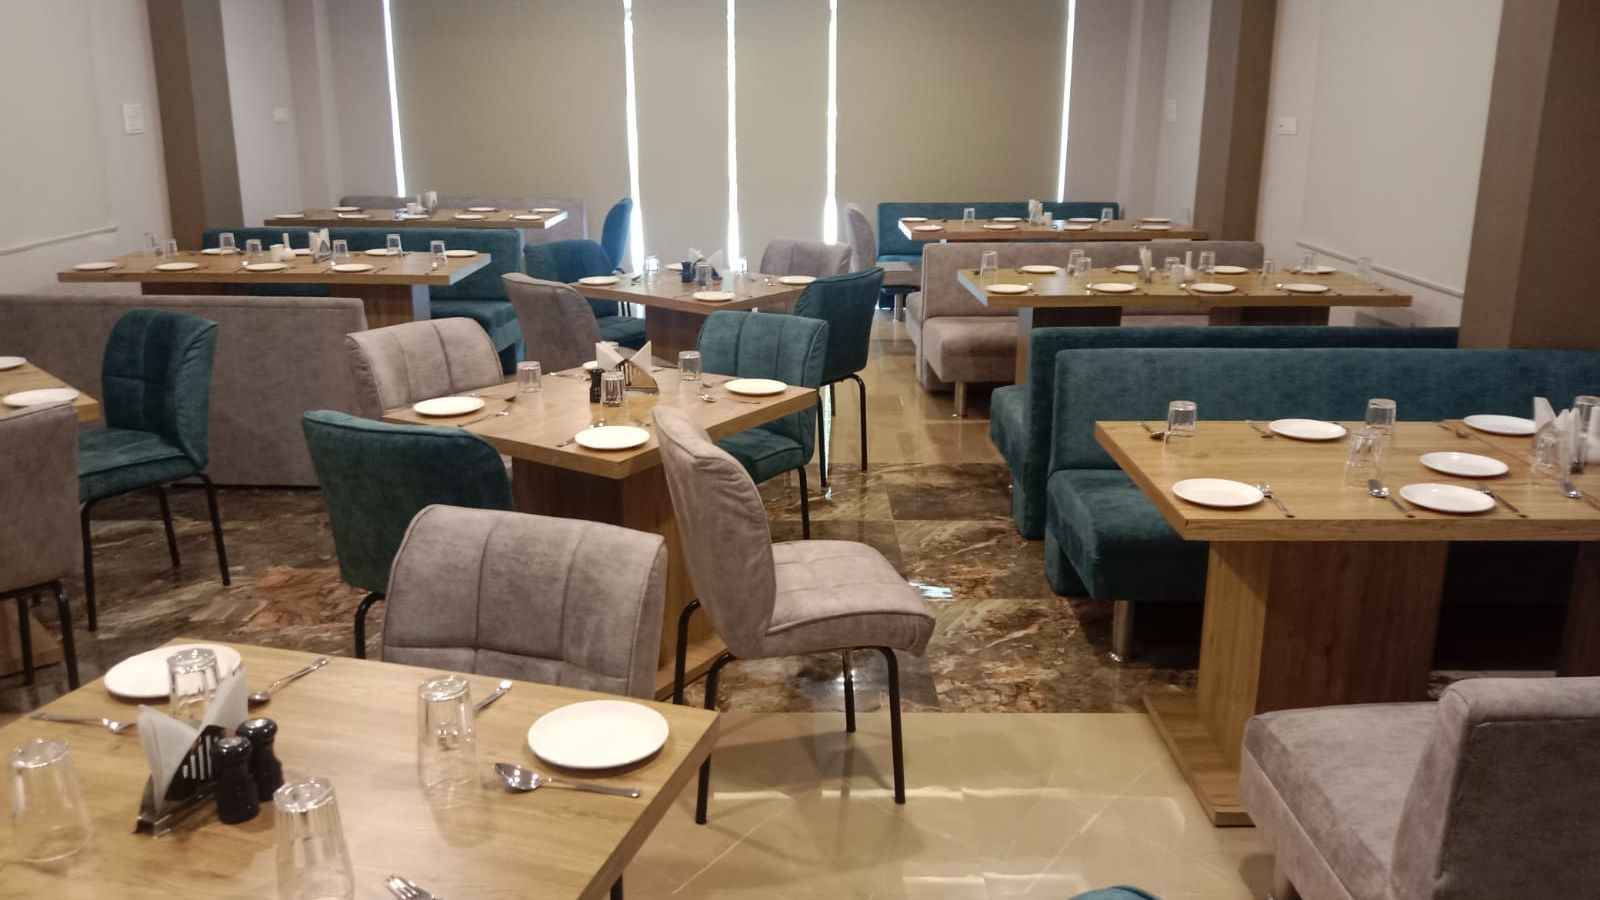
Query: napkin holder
pixel 190 793
pixel 180 787
pixel 321 248
pixel 637 378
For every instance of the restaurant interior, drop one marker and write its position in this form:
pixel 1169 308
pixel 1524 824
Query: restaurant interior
pixel 1103 449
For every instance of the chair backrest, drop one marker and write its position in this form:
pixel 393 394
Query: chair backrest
pixel 796 256
pixel 376 476
pixel 858 232
pixel 846 303
pixel 39 505
pixel 156 377
pixel 1505 794
pixel 726 542
pixel 614 234
pixel 557 601
pixel 558 327
pixel 763 345
pixel 401 364
pixel 566 262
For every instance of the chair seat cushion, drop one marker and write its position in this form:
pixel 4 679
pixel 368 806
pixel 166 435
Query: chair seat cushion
pixel 971 348
pixel 1335 781
pixel 498 317
pixel 763 453
pixel 1118 542
pixel 901 275
pixel 915 259
pixel 840 594
pixel 114 460
pixel 625 330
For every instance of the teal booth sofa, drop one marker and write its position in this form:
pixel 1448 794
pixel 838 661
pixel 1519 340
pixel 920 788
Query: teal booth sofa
pixel 568 261
pixel 1020 415
pixel 896 247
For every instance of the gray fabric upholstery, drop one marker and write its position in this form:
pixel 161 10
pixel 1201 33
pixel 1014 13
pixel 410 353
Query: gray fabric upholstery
pixel 401 364
pixel 575 226
pixel 276 358
pixel 864 251
pixel 781 599
pixel 558 326
pixel 1483 795
pixel 39 502
pixel 556 601
pixel 794 256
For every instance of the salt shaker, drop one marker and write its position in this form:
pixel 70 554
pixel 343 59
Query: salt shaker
pixel 236 790
pixel 265 768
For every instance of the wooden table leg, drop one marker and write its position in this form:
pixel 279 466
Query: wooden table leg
pixel 388 304
pixel 1269 315
pixel 1291 625
pixel 640 502
pixel 1029 318
pixel 1580 641
pixel 671 331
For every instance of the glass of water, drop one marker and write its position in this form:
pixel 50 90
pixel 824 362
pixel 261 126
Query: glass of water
pixel 1183 418
pixel 652 268
pixel 741 268
pixel 252 249
pixel 689 365
pixel 1106 215
pixel 1081 268
pixel 437 251
pixel 969 215
pixel 392 244
pixel 1308 264
pixel 1364 268
pixel 988 265
pixel 1365 458
pixel 341 249
pixel 702 275
pixel 48 816
pixel 226 244
pixel 1268 270
pixel 447 752
pixel 1172 268
pixel 1381 415
pixel 1584 407
pixel 611 388
pixel 169 248
pixel 313 860
pixel 152 244
pixel 529 377
pixel 192 678
pixel 1208 261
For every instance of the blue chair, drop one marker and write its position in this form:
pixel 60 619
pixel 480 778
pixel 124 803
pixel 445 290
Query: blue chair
pixel 155 392
pixel 790 349
pixel 846 303
pixel 614 234
pixel 371 506
pixel 568 261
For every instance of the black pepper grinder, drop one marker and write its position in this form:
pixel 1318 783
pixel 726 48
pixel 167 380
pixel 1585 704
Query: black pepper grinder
pixel 236 790
pixel 264 765
pixel 594 385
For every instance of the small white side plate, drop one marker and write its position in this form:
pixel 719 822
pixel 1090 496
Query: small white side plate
pixel 1113 287
pixel 913 219
pixel 177 267
pixel 1514 426
pixel 1128 268
pixel 1301 287
pixel 927 228
pixel 797 279
pixel 448 406
pixel 483 209
pixel 40 395
pixel 756 387
pixel 612 437
pixel 144 676
pixel 597 734
pixel 460 254
pixel 1149 227
pixel 999 226
pixel 352 267
pixel 1467 465
pixel 1307 429
pixel 95 266
pixel 468 216
pixel 1228 270
pixel 1006 219
pixel 713 296
pixel 265 267
pixel 1212 287
pixel 1006 288
pixel 1218 492
pixel 10 362
pixel 1043 270
pixel 1447 498
pixel 598 280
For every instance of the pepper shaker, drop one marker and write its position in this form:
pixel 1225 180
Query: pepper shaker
pixel 594 385
pixel 265 769
pixel 236 790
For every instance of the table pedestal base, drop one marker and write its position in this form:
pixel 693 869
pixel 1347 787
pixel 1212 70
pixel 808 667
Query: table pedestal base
pixel 671 331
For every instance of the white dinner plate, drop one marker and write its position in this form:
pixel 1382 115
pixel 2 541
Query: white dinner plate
pixel 756 387
pixel 676 267
pixel 597 734
pixel 302 251
pixel 1212 287
pixel 927 228
pixel 1130 269
pixel 1467 465
pixel 999 226
pixel 469 216
pixel 913 219
pixel 1156 220
pixel 546 209
pixel 1314 270
pixel 1112 287
pixel 713 296
pixel 1006 219
pixel 1448 498
pixel 1149 227
pixel 354 216
pixel 1218 492
pixel 40 395
pixel 347 209
pixel 177 267
pixel 1003 288
pixel 95 266
pixel 1301 287
pixel 380 251
pixel 483 209
pixel 797 279
pixel 448 406
pixel 144 676
pixel 290 216
pixel 1083 220
pixel 461 254
pixel 1076 227
pixel 1041 270
pixel 591 364
pixel 1515 426
pixel 528 217
pixel 598 280
pixel 1307 429
pixel 218 251
pixel 612 437
pixel 1228 270
pixel 413 215
pixel 266 267
pixel 352 267
pixel 10 362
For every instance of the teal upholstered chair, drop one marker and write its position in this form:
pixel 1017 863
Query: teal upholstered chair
pixel 566 262
pixel 370 505
pixel 614 234
pixel 155 394
pixel 1121 892
pixel 846 303
pixel 761 345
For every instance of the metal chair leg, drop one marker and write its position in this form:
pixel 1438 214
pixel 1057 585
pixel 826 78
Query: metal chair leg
pixel 822 448
pixel 361 622
pixel 805 506
pixel 849 695
pixel 703 793
pixel 1121 630
pixel 166 523
pixel 68 648
pixel 25 637
pixel 680 662
pixel 961 400
pixel 863 386
pixel 895 739
pixel 88 566
pixel 216 528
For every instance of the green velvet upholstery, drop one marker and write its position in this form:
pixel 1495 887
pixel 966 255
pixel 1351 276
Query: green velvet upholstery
pixel 155 395
pixel 896 247
pixel 371 506
pixel 614 234
pixel 846 303
pixel 1120 892
pixel 568 261
pixel 1020 415
pixel 298 238
pixel 762 345
pixel 1118 544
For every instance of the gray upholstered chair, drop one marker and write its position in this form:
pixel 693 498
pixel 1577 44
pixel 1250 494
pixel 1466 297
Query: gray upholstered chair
pixel 557 601
pixel 899 277
pixel 39 542
pixel 769 600
pixel 795 256
pixel 1489 793
pixel 558 326
pixel 401 364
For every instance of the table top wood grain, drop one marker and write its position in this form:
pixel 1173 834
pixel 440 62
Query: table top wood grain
pixel 408 269
pixel 1059 290
pixel 983 230
pixel 1309 478
pixel 29 377
pixel 440 218
pixel 668 290
pixel 354 723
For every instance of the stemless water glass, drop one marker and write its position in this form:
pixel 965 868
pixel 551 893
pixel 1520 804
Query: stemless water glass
pixel 702 275
pixel 1268 270
pixel 152 244
pixel 741 268
pixel 529 377
pixel 1364 268
pixel 988 265
pixel 1072 260
pixel 436 249
pixel 1182 419
pixel 313 861
pixel 192 678
pixel 169 248
pixel 1172 268
pixel 1381 415
pixel 1106 215
pixel 652 268
pixel 1583 407
pixel 252 250
pixel 1208 260
pixel 341 249
pixel 1308 264
pixel 1546 455
pixel 689 365
pixel 226 244
pixel 1080 268
pixel 969 215
pixel 48 815
pixel 1365 459
pixel 392 242
pixel 447 751
pixel 611 388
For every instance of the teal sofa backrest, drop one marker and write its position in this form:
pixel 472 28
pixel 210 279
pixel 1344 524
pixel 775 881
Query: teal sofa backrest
pixel 1334 383
pixel 892 244
pixel 504 245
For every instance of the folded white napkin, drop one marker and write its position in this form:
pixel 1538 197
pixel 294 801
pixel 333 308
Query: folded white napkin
pixel 167 741
pixel 608 356
pixel 1543 413
pixel 1591 440
pixel 1188 265
pixel 1145 262
pixel 320 246
pixel 718 261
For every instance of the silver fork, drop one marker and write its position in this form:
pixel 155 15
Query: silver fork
pixel 1261 431
pixel 1451 428
pixel 111 725
pixel 1493 496
pixel 1266 491
pixel 510 402
pixel 404 889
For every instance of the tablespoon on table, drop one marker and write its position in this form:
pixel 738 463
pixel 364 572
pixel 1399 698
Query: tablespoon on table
pixel 498 692
pixel 1259 430
pixel 111 725
pixel 1154 434
pixel 1572 493
pixel 260 697
pixel 1266 491
pixel 1377 489
pixel 523 780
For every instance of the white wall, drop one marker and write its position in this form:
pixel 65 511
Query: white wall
pixel 118 53
pixel 256 45
pixel 313 93
pixel 360 94
pixel 1178 157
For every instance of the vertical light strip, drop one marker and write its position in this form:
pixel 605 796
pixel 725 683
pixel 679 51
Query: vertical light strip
pixel 636 228
pixel 830 200
pixel 1066 98
pixel 733 143
pixel 394 103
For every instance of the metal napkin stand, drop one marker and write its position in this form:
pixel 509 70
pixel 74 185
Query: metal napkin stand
pixel 192 790
pixel 637 378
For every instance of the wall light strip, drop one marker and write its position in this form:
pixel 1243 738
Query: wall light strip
pixel 830 200
pixel 394 103
pixel 1066 97
pixel 733 142
pixel 636 228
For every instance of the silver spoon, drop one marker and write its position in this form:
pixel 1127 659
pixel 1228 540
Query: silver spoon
pixel 1572 493
pixel 1377 489
pixel 708 398
pixel 111 725
pixel 1154 434
pixel 498 692
pixel 1266 491
pixel 1259 430
pixel 260 697
pixel 523 780
pixel 1493 496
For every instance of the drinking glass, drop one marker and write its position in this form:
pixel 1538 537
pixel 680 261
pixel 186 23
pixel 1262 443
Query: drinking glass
pixel 529 377
pixel 226 243
pixel 1208 260
pixel 152 244
pixel 969 215
pixel 1268 270
pixel 1584 407
pixel 252 250
pixel 652 268
pixel 1380 415
pixel 611 388
pixel 1172 267
pixel 1081 268
pixel 341 249
pixel 1308 264
pixel 447 753
pixel 1365 458
pixel 689 365
pixel 313 861
pixel 48 815
pixel 741 268
pixel 702 275
pixel 988 265
pixel 1546 455
pixel 437 250
pixel 192 678
pixel 1182 419
pixel 393 243
pixel 1072 260
pixel 1364 268
pixel 1106 216
pixel 169 249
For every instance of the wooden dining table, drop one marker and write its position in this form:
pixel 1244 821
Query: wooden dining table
pixel 525 219
pixel 1056 299
pixel 673 316
pixel 29 377
pixel 553 475
pixel 394 291
pixel 940 230
pixel 1338 604
pixel 353 722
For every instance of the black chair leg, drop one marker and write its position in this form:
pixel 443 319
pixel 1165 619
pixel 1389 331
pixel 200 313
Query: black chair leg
pixel 833 400
pixel 616 889
pixel 863 386
pixel 703 793
pixel 69 650
pixel 822 449
pixel 895 740
pixel 849 695
pixel 88 566
pixel 805 506
pixel 166 523
pixel 25 637
pixel 680 662
pixel 216 528
pixel 361 623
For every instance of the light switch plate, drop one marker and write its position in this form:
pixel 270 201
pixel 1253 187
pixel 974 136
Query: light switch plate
pixel 1170 113
pixel 1287 125
pixel 133 118
pixel 280 115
